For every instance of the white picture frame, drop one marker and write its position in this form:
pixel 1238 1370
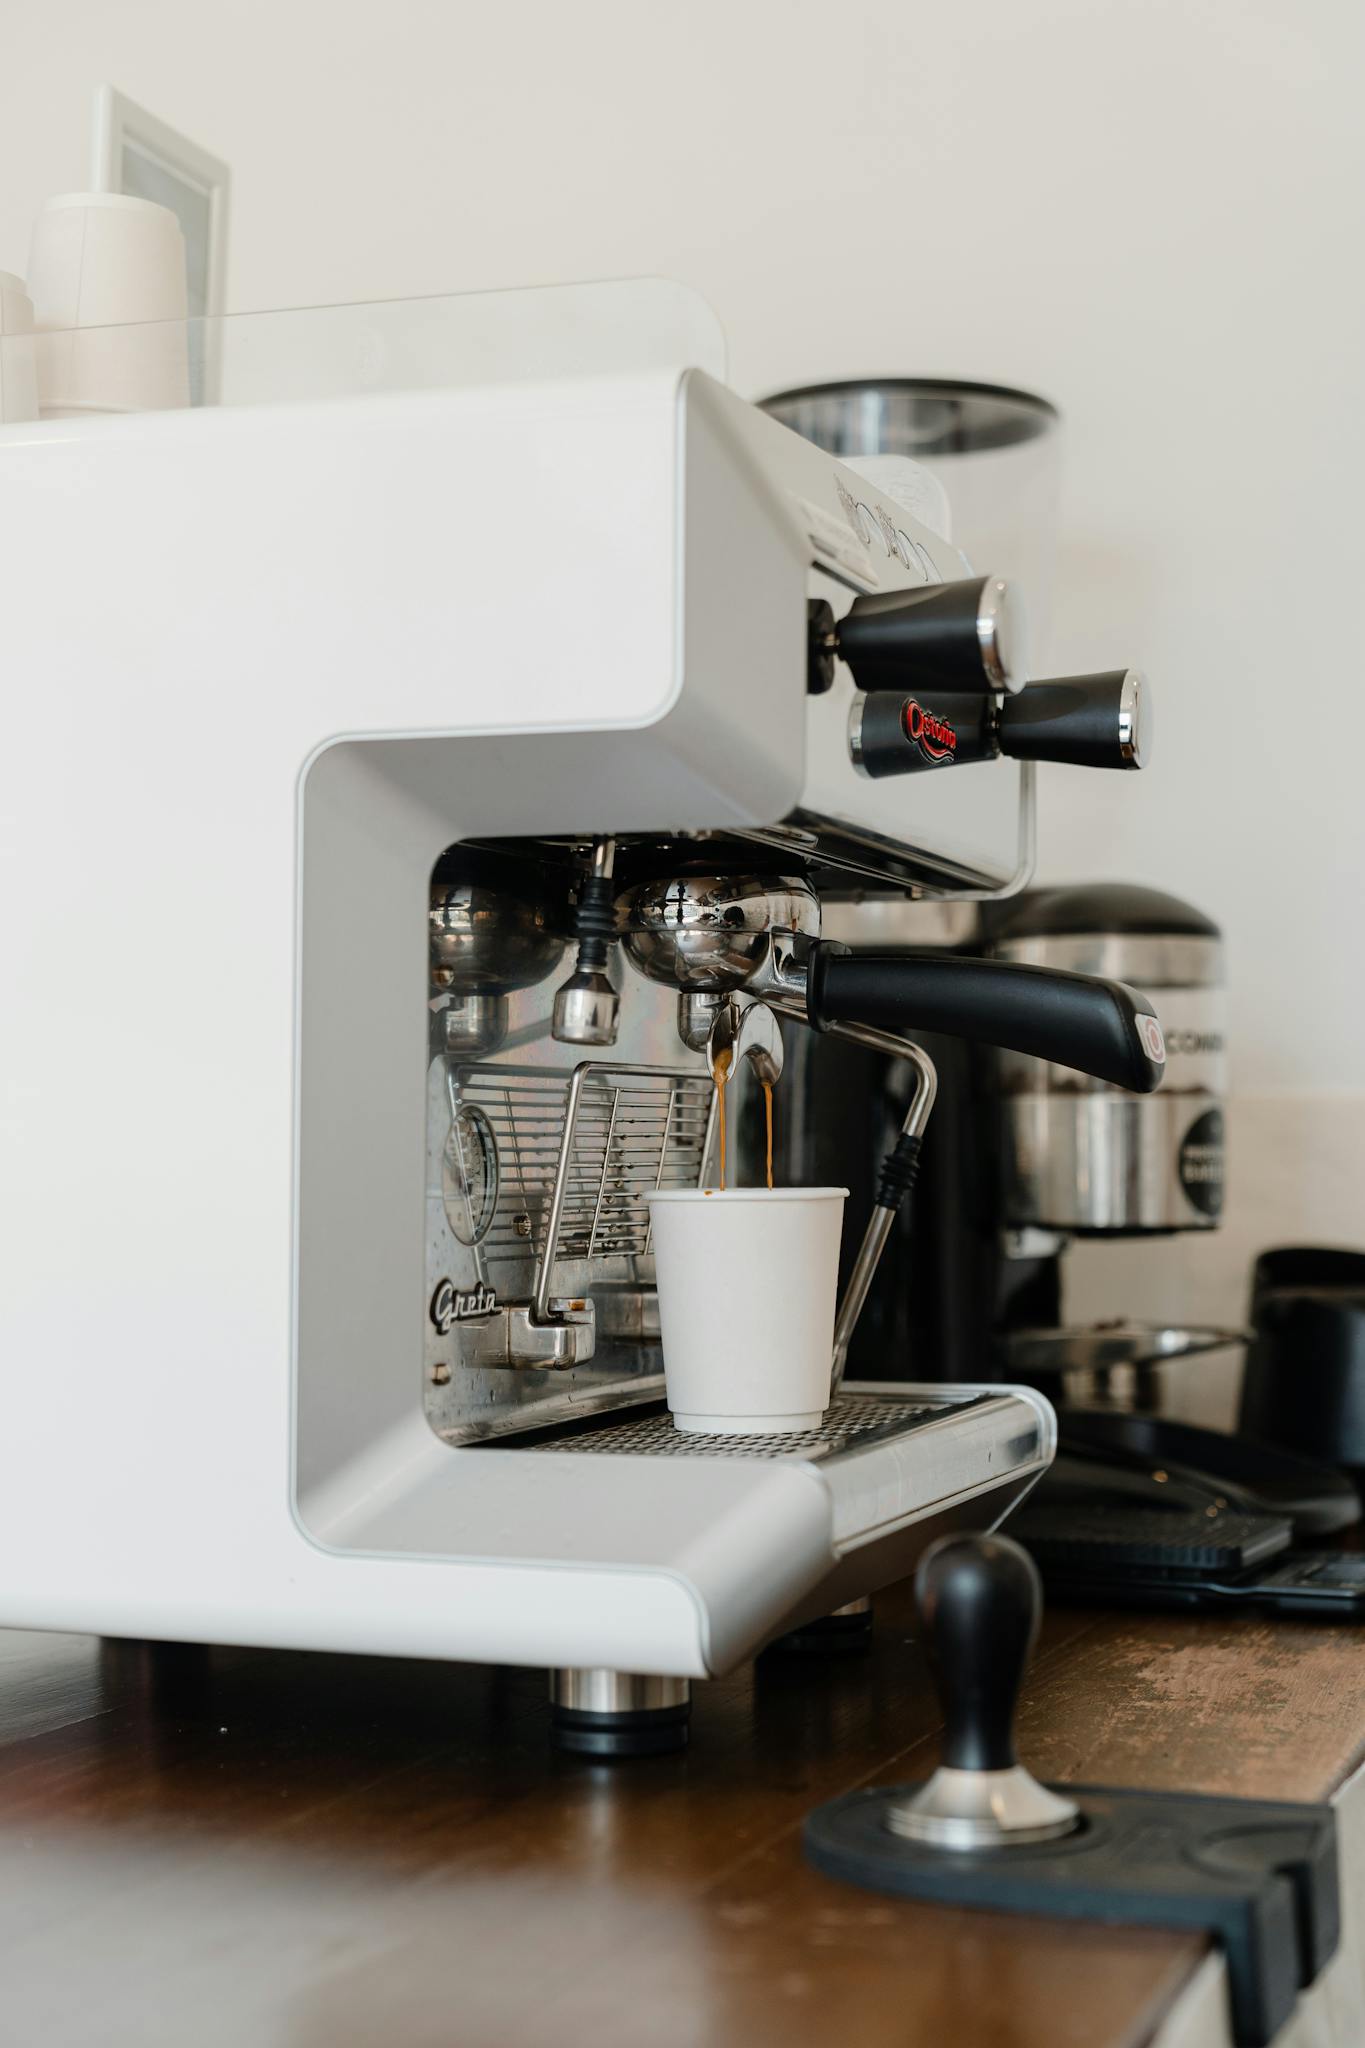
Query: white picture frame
pixel 120 128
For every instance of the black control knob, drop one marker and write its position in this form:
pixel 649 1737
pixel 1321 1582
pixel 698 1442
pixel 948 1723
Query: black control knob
pixel 890 733
pixel 970 635
pixel 1089 721
pixel 979 1602
pixel 1086 721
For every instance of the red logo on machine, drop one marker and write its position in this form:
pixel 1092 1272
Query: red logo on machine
pixel 935 737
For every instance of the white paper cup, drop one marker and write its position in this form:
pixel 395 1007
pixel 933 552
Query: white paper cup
pixel 18 373
pixel 110 297
pixel 747 1285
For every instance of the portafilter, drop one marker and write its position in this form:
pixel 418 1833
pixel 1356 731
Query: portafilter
pixel 712 936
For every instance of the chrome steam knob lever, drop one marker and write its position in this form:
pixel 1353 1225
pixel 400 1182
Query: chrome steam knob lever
pixel 979 1601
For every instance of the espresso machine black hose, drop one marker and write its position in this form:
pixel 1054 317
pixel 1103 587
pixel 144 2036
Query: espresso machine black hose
pixel 1076 1020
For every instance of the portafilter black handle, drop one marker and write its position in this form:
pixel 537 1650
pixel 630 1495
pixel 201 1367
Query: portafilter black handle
pixel 1098 1027
pixel 979 1600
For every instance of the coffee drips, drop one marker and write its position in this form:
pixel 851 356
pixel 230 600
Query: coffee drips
pixel 720 1074
pixel 722 1067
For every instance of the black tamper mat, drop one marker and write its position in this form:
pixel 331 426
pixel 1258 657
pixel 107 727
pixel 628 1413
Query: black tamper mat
pixel 1259 1876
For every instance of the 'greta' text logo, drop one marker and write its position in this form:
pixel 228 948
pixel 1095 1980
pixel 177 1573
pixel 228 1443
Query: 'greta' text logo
pixel 451 1304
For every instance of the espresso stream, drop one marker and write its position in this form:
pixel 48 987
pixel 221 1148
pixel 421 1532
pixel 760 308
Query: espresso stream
pixel 720 1075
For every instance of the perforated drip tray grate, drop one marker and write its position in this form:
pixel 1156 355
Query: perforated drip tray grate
pixel 852 1422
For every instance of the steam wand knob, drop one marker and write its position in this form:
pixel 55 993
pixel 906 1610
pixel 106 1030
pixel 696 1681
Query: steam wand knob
pixel 587 1007
pixel 979 1601
pixel 969 635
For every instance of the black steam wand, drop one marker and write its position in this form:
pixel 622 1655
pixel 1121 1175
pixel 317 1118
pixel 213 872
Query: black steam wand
pixel 899 1171
pixel 1101 1027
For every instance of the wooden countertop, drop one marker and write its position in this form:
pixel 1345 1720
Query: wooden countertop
pixel 277 1850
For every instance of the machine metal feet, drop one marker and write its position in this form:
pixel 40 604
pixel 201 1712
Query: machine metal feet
pixel 603 1714
pixel 846 1628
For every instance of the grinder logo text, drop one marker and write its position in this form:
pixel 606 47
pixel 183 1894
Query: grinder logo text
pixel 935 738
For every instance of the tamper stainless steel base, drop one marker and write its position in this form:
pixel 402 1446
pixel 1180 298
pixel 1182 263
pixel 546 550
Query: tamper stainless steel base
pixel 979 1600
pixel 982 1810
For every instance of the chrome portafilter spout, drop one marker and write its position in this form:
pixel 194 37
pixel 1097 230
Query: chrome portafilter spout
pixel 751 1033
pixel 713 936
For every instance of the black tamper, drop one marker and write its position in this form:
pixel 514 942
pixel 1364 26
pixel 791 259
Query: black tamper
pixel 979 1599
pixel 1259 1876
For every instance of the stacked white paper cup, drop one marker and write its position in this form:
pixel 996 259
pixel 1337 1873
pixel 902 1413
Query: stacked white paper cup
pixel 108 283
pixel 747 1285
pixel 18 374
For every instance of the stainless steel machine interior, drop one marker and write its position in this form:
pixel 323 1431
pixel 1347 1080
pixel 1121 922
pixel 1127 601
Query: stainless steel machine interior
pixel 541 1302
pixel 539 1255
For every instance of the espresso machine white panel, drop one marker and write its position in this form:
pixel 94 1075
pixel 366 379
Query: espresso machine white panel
pixel 265 663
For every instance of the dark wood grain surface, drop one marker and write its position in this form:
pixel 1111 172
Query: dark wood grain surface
pixel 286 1851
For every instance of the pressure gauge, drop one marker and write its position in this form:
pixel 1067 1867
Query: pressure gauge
pixel 469 1174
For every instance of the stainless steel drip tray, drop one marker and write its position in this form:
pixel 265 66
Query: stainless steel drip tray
pixel 854 1421
pixel 689 1552
pixel 883 1455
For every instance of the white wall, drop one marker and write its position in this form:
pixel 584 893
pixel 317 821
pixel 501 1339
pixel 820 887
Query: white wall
pixel 1149 209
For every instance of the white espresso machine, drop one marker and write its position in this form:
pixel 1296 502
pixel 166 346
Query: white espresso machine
pixel 413 747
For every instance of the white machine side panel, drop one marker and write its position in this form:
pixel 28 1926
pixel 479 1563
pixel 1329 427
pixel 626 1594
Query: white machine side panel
pixel 193 605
